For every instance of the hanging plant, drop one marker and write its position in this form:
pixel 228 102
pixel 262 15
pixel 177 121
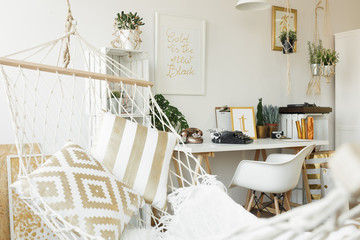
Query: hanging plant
pixel 315 56
pixel 329 59
pixel 288 40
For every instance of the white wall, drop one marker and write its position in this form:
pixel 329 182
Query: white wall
pixel 240 65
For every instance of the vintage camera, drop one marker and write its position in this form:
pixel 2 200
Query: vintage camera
pixel 277 134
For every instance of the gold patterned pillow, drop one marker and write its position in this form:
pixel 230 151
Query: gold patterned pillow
pixel 79 189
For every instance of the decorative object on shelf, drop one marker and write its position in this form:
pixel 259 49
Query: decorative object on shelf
pixel 283 20
pixel 180 55
pixel 243 119
pixel 252 5
pixel 271 118
pixel 176 118
pixel 127 33
pixel 114 101
pixel 192 135
pixel 288 39
pixel 260 125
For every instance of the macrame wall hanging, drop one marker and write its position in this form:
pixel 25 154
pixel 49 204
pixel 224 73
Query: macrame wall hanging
pixel 322 45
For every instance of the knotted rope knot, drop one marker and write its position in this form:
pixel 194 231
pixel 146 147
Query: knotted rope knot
pixel 69 29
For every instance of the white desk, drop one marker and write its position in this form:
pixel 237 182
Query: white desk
pixel 208 149
pixel 258 144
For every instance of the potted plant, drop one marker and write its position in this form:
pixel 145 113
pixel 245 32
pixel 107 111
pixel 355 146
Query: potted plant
pixel 315 57
pixel 329 59
pixel 271 118
pixel 260 125
pixel 127 32
pixel 176 118
pixel 288 40
pixel 114 102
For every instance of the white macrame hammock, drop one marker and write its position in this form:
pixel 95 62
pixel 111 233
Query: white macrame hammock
pixel 51 105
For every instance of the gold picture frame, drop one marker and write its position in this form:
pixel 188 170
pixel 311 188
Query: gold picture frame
pixel 279 23
pixel 243 119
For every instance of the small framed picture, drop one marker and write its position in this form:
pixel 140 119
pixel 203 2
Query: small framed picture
pixel 281 21
pixel 243 119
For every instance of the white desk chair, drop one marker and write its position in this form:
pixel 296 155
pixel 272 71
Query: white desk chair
pixel 279 174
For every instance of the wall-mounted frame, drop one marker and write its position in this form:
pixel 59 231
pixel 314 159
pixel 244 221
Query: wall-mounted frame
pixel 179 55
pixel 243 119
pixel 280 18
pixel 24 223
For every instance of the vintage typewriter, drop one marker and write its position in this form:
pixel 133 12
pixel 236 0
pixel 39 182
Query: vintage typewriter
pixel 235 137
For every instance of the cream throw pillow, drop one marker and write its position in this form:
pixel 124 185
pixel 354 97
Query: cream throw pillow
pixel 82 192
pixel 137 155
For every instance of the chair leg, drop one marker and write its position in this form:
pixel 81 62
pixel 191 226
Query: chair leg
pixel 276 202
pixel 251 202
pixel 261 203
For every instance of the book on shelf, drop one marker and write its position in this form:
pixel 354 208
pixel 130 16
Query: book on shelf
pixel 298 126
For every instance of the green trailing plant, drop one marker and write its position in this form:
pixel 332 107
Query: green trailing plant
pixel 315 52
pixel 271 114
pixel 128 21
pixel 292 36
pixel 329 57
pixel 259 114
pixel 176 118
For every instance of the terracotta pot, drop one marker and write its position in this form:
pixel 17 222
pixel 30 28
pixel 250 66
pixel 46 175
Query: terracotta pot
pixel 270 128
pixel 261 131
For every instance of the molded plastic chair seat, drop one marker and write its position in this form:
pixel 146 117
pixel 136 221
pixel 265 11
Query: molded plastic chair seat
pixel 280 173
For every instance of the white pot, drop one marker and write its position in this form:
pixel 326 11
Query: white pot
pixel 129 39
pixel 114 105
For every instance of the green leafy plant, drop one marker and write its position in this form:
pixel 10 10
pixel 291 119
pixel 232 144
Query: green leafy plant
pixel 128 21
pixel 329 57
pixel 284 34
pixel 259 114
pixel 315 52
pixel 176 118
pixel 115 94
pixel 271 114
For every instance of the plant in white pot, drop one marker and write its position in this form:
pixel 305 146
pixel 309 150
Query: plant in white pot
pixel 127 32
pixel 288 40
pixel 329 59
pixel 315 57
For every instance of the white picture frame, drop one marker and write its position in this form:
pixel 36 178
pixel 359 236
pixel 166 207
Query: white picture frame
pixel 179 55
pixel 243 119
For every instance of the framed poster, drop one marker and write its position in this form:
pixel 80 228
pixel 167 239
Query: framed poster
pixel 179 55
pixel 24 223
pixel 280 22
pixel 243 119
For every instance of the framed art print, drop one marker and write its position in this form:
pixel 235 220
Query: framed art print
pixel 179 55
pixel 24 223
pixel 281 20
pixel 243 119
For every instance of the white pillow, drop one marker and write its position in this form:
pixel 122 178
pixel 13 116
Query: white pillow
pixel 80 190
pixel 137 155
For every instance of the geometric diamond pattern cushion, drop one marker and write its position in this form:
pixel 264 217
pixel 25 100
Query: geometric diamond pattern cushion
pixel 137 155
pixel 83 192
